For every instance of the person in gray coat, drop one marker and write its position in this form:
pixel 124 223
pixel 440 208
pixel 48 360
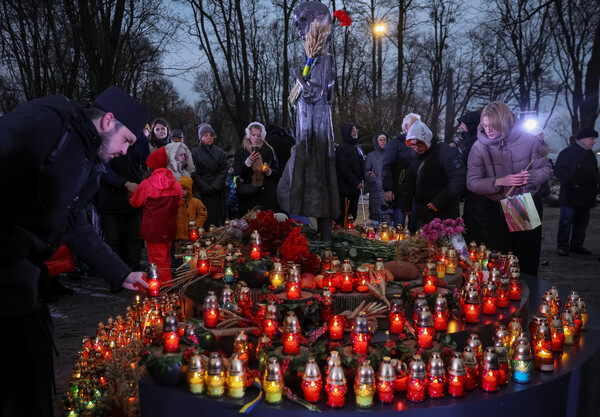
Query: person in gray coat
pixel 373 179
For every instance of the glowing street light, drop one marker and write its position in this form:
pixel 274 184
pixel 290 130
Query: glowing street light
pixel 379 31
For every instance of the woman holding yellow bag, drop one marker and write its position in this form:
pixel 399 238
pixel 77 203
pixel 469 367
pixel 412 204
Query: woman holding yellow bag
pixel 506 160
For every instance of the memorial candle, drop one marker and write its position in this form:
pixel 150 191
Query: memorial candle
pixel 503 292
pixel 195 374
pixel 385 381
pixel 417 380
pixel 291 331
pixel 441 269
pixel 379 271
pixel 276 275
pixel 490 371
pixel 471 367
pixel 211 310
pixel 396 316
pixel 255 249
pixel 503 362
pixel 193 233
pixel 568 327
pixel 336 387
pixel 336 326
pixel 441 314
pixel 490 299
pixel 360 335
pixel 473 250
pixel 153 281
pixel 401 381
pixel 215 380
pixel 273 382
pixel 580 304
pixel 516 286
pixel 542 349
pixel 557 333
pixel 170 334
pixel 241 347
pixel 470 312
pixel 424 328
pixel 364 388
pixel 451 262
pixel 362 279
pixel 347 277
pixel 312 381
pixel 203 262
pixel 329 280
pixel 521 363
pixel 327 307
pixel 437 376
pixel 236 378
pixel 293 286
pixel 457 376
pixel 270 322
pixel 577 318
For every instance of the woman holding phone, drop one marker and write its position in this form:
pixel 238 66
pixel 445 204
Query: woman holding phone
pixel 256 171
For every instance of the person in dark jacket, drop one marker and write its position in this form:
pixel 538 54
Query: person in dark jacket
pixel 209 177
pixel 474 207
pixel 281 140
pixel 51 157
pixel 121 222
pixel 577 170
pixel 373 166
pixel 350 170
pixel 256 166
pixel 438 182
pixel 397 159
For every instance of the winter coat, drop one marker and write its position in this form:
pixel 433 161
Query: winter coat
pixel 349 163
pixel 397 159
pixel 439 180
pixel 160 196
pixel 281 140
pixel 156 143
pixel 266 197
pixel 577 170
pixel 112 196
pixel 374 163
pixel 180 169
pixel 209 182
pixel 191 209
pixel 495 158
pixel 52 144
pixel 314 190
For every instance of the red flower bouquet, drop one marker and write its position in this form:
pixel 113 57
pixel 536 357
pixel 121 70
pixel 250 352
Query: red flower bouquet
pixel 343 17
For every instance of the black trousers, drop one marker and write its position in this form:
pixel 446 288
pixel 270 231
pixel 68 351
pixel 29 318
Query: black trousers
pixel 525 245
pixel 27 376
pixel 122 234
pixel 474 217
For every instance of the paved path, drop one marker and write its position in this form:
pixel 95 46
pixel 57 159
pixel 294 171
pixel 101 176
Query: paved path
pixel 78 315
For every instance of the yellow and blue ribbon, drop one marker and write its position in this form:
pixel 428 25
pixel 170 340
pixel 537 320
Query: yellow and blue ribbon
pixel 250 406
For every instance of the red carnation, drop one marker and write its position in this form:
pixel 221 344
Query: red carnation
pixel 344 19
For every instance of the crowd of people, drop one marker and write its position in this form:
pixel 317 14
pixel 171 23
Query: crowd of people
pixel 150 185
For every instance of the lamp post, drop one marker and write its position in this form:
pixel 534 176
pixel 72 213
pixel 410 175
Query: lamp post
pixel 379 31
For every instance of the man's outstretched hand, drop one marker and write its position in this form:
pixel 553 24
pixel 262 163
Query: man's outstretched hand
pixel 135 281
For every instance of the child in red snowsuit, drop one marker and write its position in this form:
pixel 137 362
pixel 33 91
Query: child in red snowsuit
pixel 160 197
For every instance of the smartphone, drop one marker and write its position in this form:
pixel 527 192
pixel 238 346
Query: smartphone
pixel 254 148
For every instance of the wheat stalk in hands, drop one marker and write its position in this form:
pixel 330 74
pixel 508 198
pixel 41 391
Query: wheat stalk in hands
pixel 542 152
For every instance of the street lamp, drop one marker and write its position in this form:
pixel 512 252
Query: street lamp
pixel 379 31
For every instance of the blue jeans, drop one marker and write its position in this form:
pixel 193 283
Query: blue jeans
pixel 571 225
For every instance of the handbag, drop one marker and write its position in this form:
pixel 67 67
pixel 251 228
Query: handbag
pixel 520 212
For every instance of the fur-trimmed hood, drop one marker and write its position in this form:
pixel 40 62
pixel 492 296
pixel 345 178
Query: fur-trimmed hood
pixel 179 169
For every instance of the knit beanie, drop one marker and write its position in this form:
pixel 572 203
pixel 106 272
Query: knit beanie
pixel 587 132
pixel 157 159
pixel 124 107
pixel 419 131
pixel 204 129
pixel 186 182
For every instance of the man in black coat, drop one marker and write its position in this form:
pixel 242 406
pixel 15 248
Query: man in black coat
pixel 51 157
pixel 350 170
pixel 439 180
pixel 577 170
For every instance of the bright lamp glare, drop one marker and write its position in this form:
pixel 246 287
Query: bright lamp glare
pixel 530 124
pixel 380 28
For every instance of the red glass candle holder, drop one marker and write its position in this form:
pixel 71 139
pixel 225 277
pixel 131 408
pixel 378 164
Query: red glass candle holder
pixel 211 318
pixel 193 234
pixel 435 387
pixel 360 342
pixel 153 287
pixel 401 383
pixel 329 281
pixel 470 313
pixel 385 391
pixel 425 336
pixel 558 340
pixel 472 378
pixel 336 326
pixel 397 321
pixel 362 279
pixel 490 305
pixel 293 290
pixel 204 266
pixel 270 326
pixel 440 320
pixel 416 389
pixel 255 252
pixel 457 385
pixel 312 390
pixel 503 297
pixel 347 282
pixel 171 341
pixel 290 343
pixel 504 373
pixel 516 288
pixel 429 284
pixel 336 395
pixel 490 380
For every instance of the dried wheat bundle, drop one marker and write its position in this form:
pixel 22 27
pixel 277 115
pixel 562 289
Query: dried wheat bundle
pixel 541 153
pixel 378 290
pixel 229 319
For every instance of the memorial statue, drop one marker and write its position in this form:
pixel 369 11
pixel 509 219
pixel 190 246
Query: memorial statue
pixel 314 190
